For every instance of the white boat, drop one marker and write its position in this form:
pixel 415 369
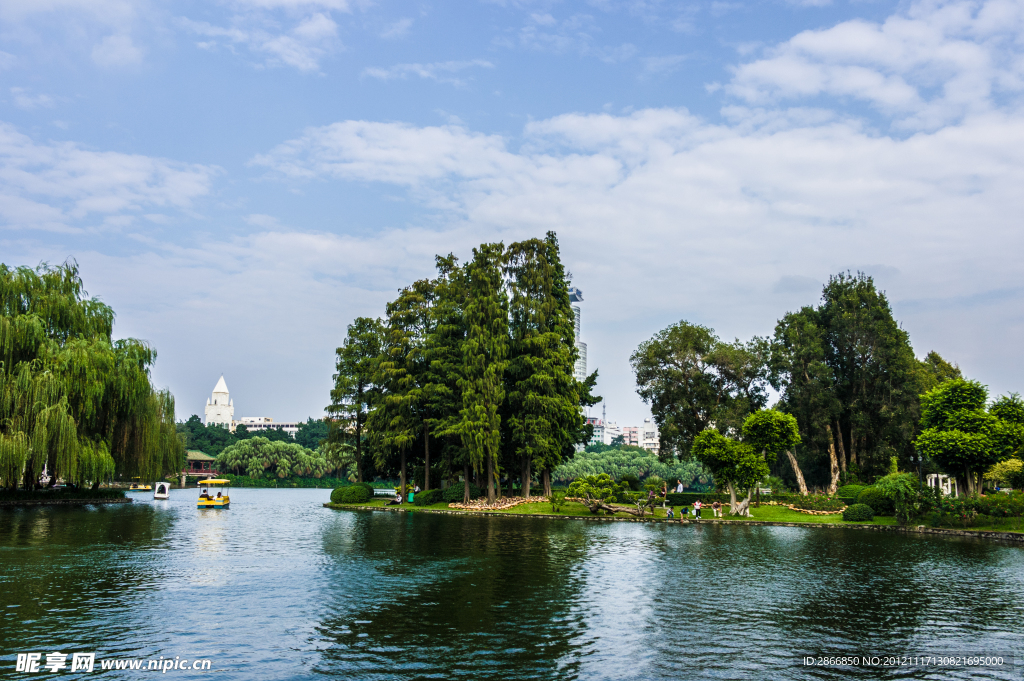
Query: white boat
pixel 162 490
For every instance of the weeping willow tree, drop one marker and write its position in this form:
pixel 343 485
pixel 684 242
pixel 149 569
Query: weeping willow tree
pixel 73 401
pixel 259 457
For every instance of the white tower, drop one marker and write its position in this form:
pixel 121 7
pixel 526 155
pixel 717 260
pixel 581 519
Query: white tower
pixel 576 296
pixel 219 407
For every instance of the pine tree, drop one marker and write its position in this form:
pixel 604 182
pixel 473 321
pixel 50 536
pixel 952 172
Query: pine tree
pixel 484 361
pixel 355 391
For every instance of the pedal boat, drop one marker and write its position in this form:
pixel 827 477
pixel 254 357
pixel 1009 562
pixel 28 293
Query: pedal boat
pixel 213 494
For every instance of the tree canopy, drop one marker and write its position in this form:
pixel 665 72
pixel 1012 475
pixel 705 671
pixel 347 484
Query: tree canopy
pixel 73 400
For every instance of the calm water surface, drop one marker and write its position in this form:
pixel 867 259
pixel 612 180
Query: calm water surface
pixel 278 587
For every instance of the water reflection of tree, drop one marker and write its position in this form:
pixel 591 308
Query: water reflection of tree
pixel 435 596
pixel 64 568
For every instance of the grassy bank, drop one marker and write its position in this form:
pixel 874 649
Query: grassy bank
pixel 572 509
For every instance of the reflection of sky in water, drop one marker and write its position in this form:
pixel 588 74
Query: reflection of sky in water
pixel 303 592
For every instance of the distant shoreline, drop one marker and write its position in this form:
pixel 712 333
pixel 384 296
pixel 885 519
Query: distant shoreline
pixel 15 503
pixel 991 535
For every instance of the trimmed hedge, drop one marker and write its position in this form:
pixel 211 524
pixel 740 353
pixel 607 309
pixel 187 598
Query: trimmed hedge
pixel 455 493
pixel 353 494
pixel 879 503
pixel 858 513
pixel 428 497
pixel 288 483
pixel 850 491
pixel 819 503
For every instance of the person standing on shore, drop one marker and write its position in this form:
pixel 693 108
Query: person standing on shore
pixel 679 486
pixel 696 510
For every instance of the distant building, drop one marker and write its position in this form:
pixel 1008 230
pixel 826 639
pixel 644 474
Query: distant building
pixel 631 436
pixel 220 409
pixel 645 436
pixel 576 296
pixel 254 424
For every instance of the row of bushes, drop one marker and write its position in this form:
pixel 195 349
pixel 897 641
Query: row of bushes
pixel 59 494
pixel 361 492
pixel 288 483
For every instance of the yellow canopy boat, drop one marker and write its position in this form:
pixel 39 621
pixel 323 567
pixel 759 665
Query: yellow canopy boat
pixel 139 486
pixel 213 494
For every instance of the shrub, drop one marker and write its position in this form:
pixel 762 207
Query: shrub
pixel 858 513
pixel 850 491
pixel 428 497
pixel 352 494
pixel 879 503
pixel 454 494
pixel 818 503
pixel 368 486
pixel 631 481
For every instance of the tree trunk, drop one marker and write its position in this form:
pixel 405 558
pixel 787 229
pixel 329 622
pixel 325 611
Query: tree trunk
pixel 359 451
pixel 743 508
pixel 853 448
pixel 426 457
pixel 511 490
pixel 841 446
pixel 490 481
pixel 465 483
pixel 546 478
pixel 525 480
pixel 403 476
pixel 833 485
pixel 796 471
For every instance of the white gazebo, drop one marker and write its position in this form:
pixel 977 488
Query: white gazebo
pixel 944 482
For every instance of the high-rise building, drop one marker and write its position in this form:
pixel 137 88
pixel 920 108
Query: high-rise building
pixel 576 296
pixel 219 407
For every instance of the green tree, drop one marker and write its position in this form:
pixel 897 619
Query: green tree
pixel 73 400
pixel 355 390
pixel 693 381
pixel 959 434
pixel 484 360
pixel 734 464
pixel 774 432
pixel 311 434
pixel 541 414
pixel 259 457
pixel 847 372
pixel 933 370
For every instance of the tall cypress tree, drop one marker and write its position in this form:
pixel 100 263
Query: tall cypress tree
pixel 484 360
pixel 355 391
pixel 543 397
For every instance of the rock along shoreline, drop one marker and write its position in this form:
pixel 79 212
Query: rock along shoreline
pixel 1013 537
pixel 11 503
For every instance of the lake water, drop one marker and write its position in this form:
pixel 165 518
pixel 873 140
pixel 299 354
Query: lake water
pixel 278 587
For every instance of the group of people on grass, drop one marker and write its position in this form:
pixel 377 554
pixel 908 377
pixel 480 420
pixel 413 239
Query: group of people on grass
pixel 685 511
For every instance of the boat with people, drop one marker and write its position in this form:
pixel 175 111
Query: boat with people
pixel 162 491
pixel 139 486
pixel 213 494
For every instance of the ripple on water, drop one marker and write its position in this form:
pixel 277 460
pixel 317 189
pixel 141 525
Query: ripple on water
pixel 279 588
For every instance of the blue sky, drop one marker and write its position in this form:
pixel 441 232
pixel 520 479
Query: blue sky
pixel 241 179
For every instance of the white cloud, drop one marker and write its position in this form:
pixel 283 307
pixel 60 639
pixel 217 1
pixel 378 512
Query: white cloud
pixel 399 29
pixel 62 187
pixel 116 50
pixel 729 224
pixel 439 71
pixel 301 47
pixel 23 99
pixel 931 64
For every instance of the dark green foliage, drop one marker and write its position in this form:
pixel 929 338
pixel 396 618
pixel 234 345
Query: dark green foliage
pixel 355 391
pixel 455 492
pixel 212 439
pixel 858 513
pixel 632 481
pixel 687 498
pixel 312 433
pixel 365 485
pixel 353 494
pixel 876 499
pixel 818 503
pixel 850 491
pixel 285 483
pixel 428 497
